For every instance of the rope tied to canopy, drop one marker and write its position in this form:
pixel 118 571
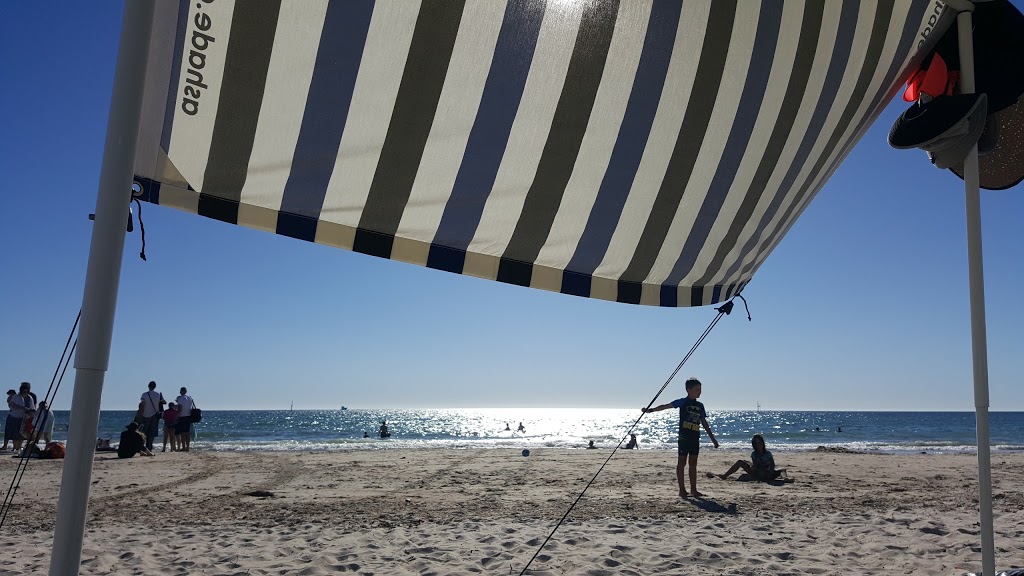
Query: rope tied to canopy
pixel 723 310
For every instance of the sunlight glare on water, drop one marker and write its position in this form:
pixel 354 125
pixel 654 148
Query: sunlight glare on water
pixel 575 427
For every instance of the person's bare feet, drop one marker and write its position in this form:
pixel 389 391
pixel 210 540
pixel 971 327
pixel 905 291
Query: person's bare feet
pixel 722 476
pixel 684 495
pixel 696 494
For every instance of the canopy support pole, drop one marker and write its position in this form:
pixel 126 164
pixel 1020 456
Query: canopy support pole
pixel 979 344
pixel 101 284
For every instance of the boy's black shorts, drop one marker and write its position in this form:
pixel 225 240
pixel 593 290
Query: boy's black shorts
pixel 689 445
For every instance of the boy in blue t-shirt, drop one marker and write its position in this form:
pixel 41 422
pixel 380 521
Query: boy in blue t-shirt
pixel 691 417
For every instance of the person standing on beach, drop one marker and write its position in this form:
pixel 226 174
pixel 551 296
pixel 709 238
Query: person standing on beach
pixel 28 429
pixel 691 417
pixel 12 428
pixel 152 406
pixel 184 428
pixel 44 424
pixel 18 404
pixel 170 423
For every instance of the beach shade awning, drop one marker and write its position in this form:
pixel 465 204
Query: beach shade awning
pixel 649 152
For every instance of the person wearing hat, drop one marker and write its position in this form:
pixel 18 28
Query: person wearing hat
pixel 132 442
pixel 18 405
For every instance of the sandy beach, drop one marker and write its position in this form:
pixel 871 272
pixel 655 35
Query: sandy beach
pixel 487 511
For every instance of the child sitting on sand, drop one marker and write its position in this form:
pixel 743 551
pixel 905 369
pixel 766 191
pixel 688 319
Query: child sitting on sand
pixel 761 466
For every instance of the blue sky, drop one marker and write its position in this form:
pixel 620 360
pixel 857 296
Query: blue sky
pixel 863 306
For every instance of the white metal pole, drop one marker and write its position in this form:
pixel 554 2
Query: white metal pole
pixel 979 345
pixel 102 278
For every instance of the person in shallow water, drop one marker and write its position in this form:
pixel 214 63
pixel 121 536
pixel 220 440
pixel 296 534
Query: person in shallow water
pixel 632 442
pixel 384 433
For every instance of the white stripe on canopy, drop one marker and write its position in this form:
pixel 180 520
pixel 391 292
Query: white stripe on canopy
pixel 645 151
pixel 288 79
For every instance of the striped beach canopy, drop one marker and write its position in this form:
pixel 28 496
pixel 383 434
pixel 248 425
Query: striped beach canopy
pixel 643 151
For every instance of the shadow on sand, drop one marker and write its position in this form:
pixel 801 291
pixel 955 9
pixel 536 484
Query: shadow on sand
pixel 782 481
pixel 709 505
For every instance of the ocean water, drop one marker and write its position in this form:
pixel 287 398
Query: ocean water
pixel 317 430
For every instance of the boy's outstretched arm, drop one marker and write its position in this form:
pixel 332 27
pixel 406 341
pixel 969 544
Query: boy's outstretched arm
pixel 707 429
pixel 656 408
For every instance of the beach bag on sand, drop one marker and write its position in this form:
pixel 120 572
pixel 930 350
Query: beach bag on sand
pixel 55 450
pixel 197 414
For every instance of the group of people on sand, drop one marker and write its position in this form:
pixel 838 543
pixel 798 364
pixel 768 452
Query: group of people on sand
pixel 178 418
pixel 693 417
pixel 29 422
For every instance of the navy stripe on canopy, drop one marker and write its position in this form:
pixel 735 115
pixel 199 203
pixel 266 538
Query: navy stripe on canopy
pixel 750 104
pixel 629 147
pixel 503 91
pixel 528 150
pixel 563 144
pixel 323 121
pixel 909 35
pixel 431 49
pixel 707 80
pixel 875 45
pixel 179 43
pixel 234 131
pixel 829 91
pixel 810 28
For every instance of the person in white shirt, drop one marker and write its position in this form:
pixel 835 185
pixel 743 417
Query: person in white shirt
pixel 184 428
pixel 18 405
pixel 152 406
